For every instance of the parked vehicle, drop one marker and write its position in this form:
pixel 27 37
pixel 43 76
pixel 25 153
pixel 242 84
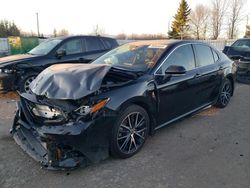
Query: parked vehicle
pixel 240 53
pixel 78 114
pixel 18 71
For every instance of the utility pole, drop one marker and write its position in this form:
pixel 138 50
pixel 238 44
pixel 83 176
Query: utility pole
pixel 37 24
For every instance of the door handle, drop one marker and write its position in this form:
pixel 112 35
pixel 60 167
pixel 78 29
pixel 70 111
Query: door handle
pixel 197 75
pixel 83 60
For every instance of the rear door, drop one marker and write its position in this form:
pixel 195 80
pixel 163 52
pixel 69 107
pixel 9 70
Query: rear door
pixel 74 49
pixel 94 47
pixel 210 76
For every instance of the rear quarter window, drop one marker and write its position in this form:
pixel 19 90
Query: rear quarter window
pixel 93 44
pixel 109 43
pixel 216 56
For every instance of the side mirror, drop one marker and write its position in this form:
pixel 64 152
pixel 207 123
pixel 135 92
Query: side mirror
pixel 175 69
pixel 60 53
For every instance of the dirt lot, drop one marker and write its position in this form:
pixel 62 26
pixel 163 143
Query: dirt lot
pixel 210 149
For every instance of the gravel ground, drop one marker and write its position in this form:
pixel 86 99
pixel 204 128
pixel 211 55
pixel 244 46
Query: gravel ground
pixel 210 149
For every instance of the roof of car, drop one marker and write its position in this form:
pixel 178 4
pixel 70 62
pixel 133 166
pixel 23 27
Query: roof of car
pixel 76 36
pixel 164 42
pixel 243 39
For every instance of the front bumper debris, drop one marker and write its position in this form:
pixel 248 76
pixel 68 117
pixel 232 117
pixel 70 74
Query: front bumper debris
pixel 243 72
pixel 67 146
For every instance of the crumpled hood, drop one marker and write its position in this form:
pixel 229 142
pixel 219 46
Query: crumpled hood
pixel 69 81
pixel 15 59
pixel 242 52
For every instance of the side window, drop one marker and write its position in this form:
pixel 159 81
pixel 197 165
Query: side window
pixel 109 43
pixel 204 55
pixel 73 46
pixel 216 56
pixel 182 56
pixel 93 44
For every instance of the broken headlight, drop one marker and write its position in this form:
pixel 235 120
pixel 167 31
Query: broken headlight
pixel 45 111
pixel 85 110
pixel 7 71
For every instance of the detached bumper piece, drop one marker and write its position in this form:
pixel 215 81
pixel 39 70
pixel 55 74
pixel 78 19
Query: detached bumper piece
pixel 48 154
pixel 48 149
pixel 243 72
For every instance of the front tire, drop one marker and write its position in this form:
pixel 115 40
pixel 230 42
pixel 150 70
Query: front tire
pixel 24 84
pixel 130 132
pixel 225 94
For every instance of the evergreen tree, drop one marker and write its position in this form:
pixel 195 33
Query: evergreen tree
pixel 247 34
pixel 181 19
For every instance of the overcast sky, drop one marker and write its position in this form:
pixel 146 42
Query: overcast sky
pixel 80 16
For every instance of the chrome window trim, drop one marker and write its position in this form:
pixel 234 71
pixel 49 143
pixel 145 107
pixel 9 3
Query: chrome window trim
pixel 155 74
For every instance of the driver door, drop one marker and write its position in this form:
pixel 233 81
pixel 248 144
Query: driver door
pixel 177 93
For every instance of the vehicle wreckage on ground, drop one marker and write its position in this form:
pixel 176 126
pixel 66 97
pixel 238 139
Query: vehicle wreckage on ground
pixel 240 53
pixel 78 114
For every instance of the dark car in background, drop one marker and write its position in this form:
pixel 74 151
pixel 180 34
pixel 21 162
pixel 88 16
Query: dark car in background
pixel 79 114
pixel 239 51
pixel 18 71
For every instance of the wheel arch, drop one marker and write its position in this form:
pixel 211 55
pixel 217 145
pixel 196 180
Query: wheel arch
pixel 145 105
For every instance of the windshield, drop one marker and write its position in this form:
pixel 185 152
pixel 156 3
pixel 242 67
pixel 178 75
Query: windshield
pixel 134 56
pixel 242 44
pixel 45 47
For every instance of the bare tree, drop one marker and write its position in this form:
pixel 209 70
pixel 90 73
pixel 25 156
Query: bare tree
pixel 235 16
pixel 218 11
pixel 63 32
pixel 54 33
pixel 199 21
pixel 97 30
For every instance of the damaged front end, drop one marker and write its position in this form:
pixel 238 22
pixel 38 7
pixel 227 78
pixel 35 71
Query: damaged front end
pixel 63 129
pixel 62 137
pixel 243 72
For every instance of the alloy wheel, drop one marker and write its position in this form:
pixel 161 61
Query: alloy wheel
pixel 226 93
pixel 27 84
pixel 132 133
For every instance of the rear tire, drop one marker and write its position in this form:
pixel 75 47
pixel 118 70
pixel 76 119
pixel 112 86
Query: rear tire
pixel 225 94
pixel 25 83
pixel 129 132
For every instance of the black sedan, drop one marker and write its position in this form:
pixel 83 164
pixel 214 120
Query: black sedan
pixel 18 71
pixel 240 53
pixel 79 114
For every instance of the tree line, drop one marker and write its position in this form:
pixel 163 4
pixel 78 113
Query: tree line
pixel 208 21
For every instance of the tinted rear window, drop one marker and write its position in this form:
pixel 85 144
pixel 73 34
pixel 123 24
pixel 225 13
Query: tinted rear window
pixel 94 44
pixel 109 43
pixel 204 55
pixel 216 56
